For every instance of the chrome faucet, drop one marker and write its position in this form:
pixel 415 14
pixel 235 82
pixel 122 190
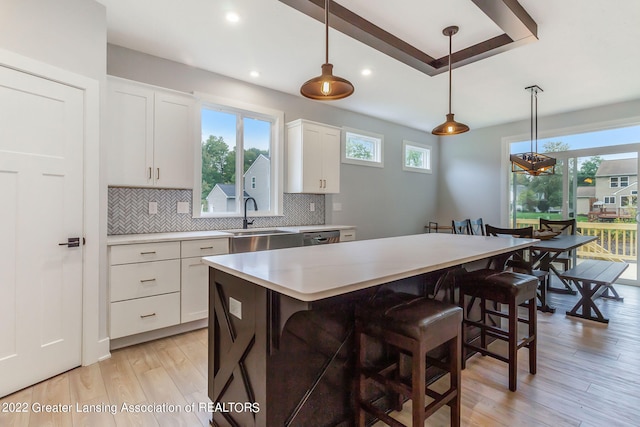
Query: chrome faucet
pixel 245 223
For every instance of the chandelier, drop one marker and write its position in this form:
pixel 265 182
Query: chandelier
pixel 532 162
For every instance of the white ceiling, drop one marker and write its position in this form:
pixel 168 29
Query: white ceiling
pixel 588 53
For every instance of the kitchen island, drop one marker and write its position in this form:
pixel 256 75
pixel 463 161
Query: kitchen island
pixel 280 321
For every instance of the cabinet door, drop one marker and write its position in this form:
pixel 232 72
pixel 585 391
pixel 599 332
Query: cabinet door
pixel 331 160
pixel 173 144
pixel 195 290
pixel 130 147
pixel 312 139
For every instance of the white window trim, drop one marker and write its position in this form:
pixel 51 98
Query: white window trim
pixel 378 163
pixel 425 147
pixel 611 182
pixel 276 157
pixel 609 197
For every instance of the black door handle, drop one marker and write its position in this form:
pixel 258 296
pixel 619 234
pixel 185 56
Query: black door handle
pixel 72 242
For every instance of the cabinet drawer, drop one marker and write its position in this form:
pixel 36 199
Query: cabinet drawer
pixel 347 235
pixel 127 254
pixel 144 314
pixel 205 247
pixel 144 279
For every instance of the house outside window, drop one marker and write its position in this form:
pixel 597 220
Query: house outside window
pixel 240 154
pixel 609 200
pixel 629 201
pixel 618 181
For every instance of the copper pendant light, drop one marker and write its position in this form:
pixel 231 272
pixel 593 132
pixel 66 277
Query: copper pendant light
pixel 327 87
pixel 533 163
pixel 450 127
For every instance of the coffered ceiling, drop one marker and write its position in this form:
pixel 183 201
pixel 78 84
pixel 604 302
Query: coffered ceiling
pixel 585 53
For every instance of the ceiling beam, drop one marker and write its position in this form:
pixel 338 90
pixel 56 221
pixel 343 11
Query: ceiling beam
pixel 518 26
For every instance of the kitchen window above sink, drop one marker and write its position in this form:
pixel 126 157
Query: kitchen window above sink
pixel 240 153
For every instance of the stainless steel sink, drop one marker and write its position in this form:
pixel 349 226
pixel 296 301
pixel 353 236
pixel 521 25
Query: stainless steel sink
pixel 263 240
pixel 259 232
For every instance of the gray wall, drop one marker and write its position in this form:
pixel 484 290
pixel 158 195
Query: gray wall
pixel 474 182
pixel 70 34
pixel 379 202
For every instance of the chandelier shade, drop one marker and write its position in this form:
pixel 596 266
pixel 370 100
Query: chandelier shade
pixel 327 87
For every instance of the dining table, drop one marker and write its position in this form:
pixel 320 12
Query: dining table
pixel 547 251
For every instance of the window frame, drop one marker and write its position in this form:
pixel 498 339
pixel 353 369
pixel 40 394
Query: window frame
pixel 422 147
pixel 604 200
pixel 276 152
pixel 377 139
pixel 614 182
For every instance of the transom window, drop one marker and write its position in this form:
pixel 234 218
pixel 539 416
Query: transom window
pixel 362 148
pixel 240 152
pixel 416 157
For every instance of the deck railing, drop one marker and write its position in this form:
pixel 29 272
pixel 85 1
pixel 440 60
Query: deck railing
pixel 616 241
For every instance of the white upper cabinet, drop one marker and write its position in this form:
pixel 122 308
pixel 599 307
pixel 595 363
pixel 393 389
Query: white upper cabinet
pixel 313 158
pixel 150 136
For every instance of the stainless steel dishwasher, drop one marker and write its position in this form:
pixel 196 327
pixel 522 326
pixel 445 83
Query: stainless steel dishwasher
pixel 320 237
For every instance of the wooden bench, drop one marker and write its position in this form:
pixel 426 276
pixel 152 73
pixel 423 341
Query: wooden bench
pixel 594 279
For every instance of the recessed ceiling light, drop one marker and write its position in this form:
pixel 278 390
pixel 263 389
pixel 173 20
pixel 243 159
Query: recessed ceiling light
pixel 232 17
pixel 366 72
pixel 254 73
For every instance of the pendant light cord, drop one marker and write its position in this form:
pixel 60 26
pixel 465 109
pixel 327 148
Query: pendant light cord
pixel 450 44
pixel 531 123
pixel 326 31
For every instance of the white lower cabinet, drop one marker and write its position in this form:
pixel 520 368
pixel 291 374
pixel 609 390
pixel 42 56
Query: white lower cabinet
pixel 144 314
pixel 348 235
pixel 195 276
pixel 156 285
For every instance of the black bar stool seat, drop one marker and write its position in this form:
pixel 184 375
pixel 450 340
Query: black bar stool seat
pixel 513 290
pixel 408 325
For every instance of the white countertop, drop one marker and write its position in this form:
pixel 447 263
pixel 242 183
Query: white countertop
pixel 315 272
pixel 127 239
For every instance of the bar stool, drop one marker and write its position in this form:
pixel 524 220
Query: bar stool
pixel 407 325
pixel 502 287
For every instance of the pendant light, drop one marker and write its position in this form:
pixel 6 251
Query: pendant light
pixel 327 87
pixel 532 162
pixel 450 127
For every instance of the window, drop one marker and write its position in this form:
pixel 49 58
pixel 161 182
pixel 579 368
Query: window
pixel 629 201
pixel 610 200
pixel 618 181
pixel 362 148
pixel 240 153
pixel 416 157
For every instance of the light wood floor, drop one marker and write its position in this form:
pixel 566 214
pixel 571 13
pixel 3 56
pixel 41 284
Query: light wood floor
pixel 588 375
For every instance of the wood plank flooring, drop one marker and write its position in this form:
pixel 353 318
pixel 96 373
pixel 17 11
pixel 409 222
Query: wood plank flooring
pixel 588 375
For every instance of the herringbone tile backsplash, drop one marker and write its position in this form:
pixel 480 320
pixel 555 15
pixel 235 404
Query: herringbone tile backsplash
pixel 128 212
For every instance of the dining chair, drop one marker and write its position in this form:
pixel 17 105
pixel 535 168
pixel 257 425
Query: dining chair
pixel 567 227
pixel 461 227
pixel 476 226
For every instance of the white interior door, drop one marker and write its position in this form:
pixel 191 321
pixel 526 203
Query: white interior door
pixel 41 206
